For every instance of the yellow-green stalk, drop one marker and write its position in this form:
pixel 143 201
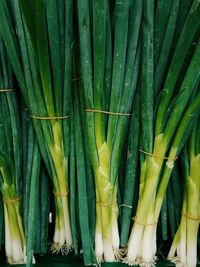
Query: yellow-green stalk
pixel 184 247
pixel 15 245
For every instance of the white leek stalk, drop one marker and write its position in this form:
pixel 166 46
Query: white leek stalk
pixel 14 235
pixel 106 235
pixel 183 251
pixel 62 235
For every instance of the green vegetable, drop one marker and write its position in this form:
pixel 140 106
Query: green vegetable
pixel 164 44
pixel 10 162
pixel 107 78
pixel 41 59
pixel 172 124
pixel 184 247
pixel 129 205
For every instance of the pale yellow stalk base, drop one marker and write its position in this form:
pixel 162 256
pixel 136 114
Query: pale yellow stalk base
pixel 62 234
pixel 107 236
pixel 14 235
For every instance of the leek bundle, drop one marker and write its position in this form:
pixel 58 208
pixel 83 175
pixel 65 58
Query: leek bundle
pixel 109 137
pixel 10 163
pixel 176 110
pixel 184 247
pixel 38 38
pixel 110 57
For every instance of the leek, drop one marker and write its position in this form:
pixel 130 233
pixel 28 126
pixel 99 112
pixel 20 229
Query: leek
pixel 41 59
pixel 11 163
pixel 172 124
pixel 184 247
pixel 107 78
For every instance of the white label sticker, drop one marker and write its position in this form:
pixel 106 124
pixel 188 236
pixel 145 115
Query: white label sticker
pixel 50 217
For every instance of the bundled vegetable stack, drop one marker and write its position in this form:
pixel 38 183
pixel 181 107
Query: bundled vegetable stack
pixel 10 163
pixel 41 60
pixel 184 247
pixel 110 106
pixel 165 134
pixel 109 82
pixel 20 171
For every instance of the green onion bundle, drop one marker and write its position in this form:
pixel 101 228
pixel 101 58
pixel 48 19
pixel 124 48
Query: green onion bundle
pixel 176 110
pixel 109 111
pixel 40 51
pixel 11 163
pixel 109 53
pixel 184 247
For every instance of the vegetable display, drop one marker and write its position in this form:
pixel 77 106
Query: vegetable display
pixel 99 131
